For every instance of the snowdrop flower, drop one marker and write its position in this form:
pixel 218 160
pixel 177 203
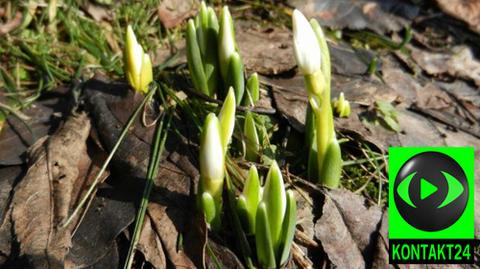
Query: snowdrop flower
pixel 138 66
pixel 305 43
pixel 214 141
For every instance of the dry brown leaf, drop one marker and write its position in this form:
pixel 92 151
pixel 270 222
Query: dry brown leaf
pixel 169 233
pixel 348 229
pixel 172 208
pixel 431 97
pixel 378 15
pixel 44 197
pixel 335 238
pixel 225 257
pixel 459 63
pixel 465 10
pixel 171 13
pixel 15 137
pixel 266 51
pixel 107 217
pixel 150 245
pixel 98 12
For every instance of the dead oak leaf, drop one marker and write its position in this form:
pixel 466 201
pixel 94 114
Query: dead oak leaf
pixel 44 197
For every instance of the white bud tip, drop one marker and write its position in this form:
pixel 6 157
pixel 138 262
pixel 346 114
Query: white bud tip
pixel 305 43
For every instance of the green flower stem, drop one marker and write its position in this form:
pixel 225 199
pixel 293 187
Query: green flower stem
pixel 311 138
pixel 158 147
pixel 109 158
pixel 320 103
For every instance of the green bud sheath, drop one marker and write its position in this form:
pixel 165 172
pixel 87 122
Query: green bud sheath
pixel 235 76
pixel 210 54
pixel 194 59
pixel 252 141
pixel 212 20
pixel 316 84
pixel 263 240
pixel 253 90
pixel 288 230
pixel 243 214
pixel 227 119
pixel 201 27
pixel 226 41
pixel 275 202
pixel 251 192
pixel 322 41
pixel 208 207
pixel 332 166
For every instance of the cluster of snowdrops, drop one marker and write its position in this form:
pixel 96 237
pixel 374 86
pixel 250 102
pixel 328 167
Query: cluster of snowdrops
pixel 267 213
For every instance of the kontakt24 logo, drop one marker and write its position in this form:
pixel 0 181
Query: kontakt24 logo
pixel 431 205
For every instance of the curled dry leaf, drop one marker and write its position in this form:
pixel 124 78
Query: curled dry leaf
pixel 59 168
pixel 44 197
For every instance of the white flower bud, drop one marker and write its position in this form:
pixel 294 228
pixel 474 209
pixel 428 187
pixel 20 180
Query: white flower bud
pixel 305 43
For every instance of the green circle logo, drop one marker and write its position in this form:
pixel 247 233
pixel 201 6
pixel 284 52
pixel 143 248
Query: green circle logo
pixel 431 191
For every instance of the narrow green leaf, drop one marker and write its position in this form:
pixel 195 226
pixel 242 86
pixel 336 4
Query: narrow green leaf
pixel 212 20
pixel 243 213
pixel 201 28
pixel 235 76
pixel 263 239
pixel 252 195
pixel 241 238
pixel 253 90
pixel 332 166
pixel 252 141
pixel 322 41
pixel 210 56
pixel 275 202
pixel 288 230
pixel 227 119
pixel 194 59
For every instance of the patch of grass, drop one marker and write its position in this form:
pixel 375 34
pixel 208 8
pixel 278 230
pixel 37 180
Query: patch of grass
pixel 45 51
pixel 365 171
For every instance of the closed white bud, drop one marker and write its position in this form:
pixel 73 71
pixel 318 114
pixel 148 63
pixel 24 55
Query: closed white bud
pixel 305 43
